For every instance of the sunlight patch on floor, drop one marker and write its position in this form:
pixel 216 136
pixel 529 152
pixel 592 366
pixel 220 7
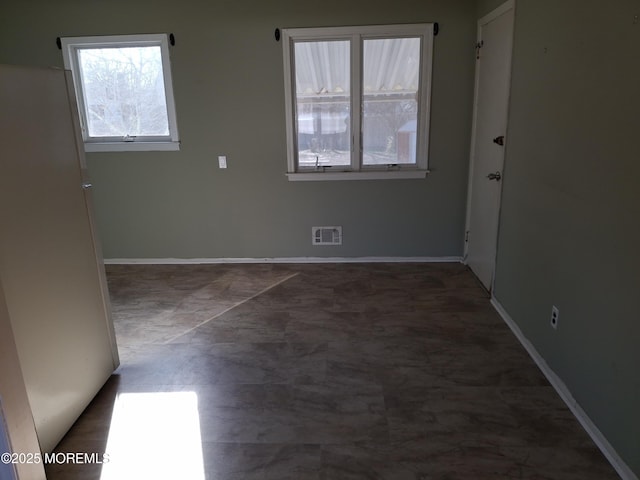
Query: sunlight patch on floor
pixel 154 435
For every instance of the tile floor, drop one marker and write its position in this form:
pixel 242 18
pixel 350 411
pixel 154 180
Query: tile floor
pixel 334 372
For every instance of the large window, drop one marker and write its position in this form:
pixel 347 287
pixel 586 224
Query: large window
pixel 124 91
pixel 358 101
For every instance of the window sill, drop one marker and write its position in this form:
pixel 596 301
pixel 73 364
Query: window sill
pixel 131 146
pixel 378 175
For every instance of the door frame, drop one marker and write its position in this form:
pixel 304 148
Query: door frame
pixel 497 12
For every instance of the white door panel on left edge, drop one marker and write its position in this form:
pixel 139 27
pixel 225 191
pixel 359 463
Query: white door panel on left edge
pixel 50 265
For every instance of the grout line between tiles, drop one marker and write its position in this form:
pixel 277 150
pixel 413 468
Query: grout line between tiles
pixel 264 290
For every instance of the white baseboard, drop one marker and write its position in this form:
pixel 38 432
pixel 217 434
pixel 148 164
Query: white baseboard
pixel 194 261
pixel 556 382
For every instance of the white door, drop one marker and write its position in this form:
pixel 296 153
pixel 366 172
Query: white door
pixel 493 71
pixel 52 278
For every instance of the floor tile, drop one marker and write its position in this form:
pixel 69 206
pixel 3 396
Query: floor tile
pixel 330 371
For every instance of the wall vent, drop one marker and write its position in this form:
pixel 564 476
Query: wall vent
pixel 326 235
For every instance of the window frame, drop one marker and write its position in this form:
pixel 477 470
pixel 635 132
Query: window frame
pixel 357 35
pixel 70 48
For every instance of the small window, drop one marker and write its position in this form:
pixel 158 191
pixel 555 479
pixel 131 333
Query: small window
pixel 357 101
pixel 124 91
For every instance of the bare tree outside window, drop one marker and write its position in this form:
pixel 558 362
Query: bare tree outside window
pixel 124 91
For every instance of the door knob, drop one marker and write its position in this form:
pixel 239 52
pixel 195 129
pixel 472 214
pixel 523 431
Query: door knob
pixel 499 140
pixel 494 176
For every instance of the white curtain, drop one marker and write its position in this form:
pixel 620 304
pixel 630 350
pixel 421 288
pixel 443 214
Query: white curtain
pixel 390 65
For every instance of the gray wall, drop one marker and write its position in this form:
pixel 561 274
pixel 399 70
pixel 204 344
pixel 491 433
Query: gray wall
pixel 228 79
pixel 570 232
pixel 486 6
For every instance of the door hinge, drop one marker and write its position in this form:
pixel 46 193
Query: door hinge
pixel 466 236
pixel 479 45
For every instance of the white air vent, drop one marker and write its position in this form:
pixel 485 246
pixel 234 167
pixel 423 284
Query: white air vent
pixel 326 235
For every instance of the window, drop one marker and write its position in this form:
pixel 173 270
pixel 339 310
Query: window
pixel 357 101
pixel 124 91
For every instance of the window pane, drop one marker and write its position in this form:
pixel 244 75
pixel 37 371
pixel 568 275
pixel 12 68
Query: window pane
pixel 124 91
pixel 323 99
pixel 390 109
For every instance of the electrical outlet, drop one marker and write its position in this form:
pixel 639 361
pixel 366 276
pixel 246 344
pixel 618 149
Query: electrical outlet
pixel 555 314
pixel 222 161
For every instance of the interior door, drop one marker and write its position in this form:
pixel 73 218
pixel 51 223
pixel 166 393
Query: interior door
pixel 493 71
pixel 53 280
